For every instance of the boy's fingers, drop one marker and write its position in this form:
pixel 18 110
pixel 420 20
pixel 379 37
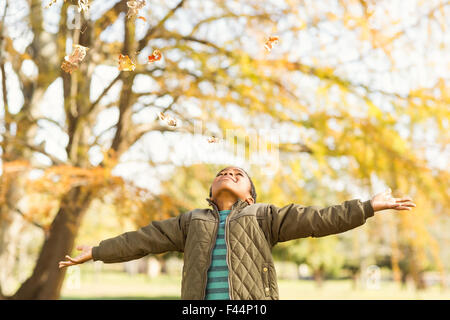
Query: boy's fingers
pixel 403 199
pixel 74 260
pixel 403 208
pixel 408 204
pixel 63 264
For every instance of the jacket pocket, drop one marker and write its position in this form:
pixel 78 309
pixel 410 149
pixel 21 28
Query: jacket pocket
pixel 266 279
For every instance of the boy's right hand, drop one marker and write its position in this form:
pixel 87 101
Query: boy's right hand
pixel 85 255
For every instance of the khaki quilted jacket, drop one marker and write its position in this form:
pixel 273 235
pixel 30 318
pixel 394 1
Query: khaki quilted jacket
pixel 250 233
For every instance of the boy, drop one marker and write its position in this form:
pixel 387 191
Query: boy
pixel 227 249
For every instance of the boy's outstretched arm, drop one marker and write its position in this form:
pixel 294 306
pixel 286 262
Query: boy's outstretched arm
pixel 157 237
pixel 295 221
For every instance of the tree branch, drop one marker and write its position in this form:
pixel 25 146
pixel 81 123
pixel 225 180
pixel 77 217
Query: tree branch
pixel 143 42
pixel 294 148
pixel 105 91
pixel 95 142
pixel 2 67
pixel 35 120
pixel 39 149
pixel 144 128
pixel 17 210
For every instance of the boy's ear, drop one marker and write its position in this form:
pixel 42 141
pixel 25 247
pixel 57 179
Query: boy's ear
pixel 250 200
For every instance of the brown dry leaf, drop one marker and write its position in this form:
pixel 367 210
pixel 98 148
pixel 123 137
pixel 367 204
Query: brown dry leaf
pixel 134 7
pixel 69 67
pixel 72 62
pixel 268 45
pixel 168 119
pixel 213 139
pixel 52 2
pixel 83 5
pixel 125 63
pixel 156 55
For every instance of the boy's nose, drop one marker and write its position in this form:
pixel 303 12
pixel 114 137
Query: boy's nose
pixel 230 173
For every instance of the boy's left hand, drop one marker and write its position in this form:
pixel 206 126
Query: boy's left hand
pixel 384 200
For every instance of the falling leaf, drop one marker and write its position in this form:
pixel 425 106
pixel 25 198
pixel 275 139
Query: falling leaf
pixel 172 122
pixel 270 42
pixel 168 119
pixel 156 55
pixel 142 18
pixel 51 3
pixel 69 67
pixel 83 5
pixel 213 139
pixel 72 62
pixel 134 7
pixel 125 63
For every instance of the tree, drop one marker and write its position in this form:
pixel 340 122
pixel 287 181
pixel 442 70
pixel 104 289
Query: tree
pixel 214 62
pixel 321 255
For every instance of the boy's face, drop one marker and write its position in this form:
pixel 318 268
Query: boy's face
pixel 231 180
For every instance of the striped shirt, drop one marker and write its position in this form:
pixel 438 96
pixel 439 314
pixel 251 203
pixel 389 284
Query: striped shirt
pixel 217 281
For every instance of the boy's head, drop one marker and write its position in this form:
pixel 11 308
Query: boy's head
pixel 235 182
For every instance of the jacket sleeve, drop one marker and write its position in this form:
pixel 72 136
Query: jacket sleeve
pixel 295 221
pixel 157 237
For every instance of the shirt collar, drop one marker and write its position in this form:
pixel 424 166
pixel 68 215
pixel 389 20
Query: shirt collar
pixel 237 205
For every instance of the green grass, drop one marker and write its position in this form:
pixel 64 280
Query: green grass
pixel 342 290
pixel 119 285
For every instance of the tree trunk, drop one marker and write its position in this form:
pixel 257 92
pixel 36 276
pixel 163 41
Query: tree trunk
pixel 12 224
pixel 419 281
pixel 163 263
pixel 47 279
pixel 318 277
pixel 355 276
pixel 416 271
pixel 404 280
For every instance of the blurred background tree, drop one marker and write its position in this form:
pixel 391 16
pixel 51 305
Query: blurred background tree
pixel 357 90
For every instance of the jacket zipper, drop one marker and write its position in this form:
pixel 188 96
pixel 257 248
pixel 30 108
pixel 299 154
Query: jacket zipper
pixel 210 254
pixel 228 252
pixel 226 258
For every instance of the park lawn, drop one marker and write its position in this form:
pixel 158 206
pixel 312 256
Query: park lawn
pixel 120 285
pixel 342 290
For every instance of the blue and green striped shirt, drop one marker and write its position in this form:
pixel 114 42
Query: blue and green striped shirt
pixel 217 281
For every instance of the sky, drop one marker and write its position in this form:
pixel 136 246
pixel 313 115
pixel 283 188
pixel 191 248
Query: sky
pixel 418 64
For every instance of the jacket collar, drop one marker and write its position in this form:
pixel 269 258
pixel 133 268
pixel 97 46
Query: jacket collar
pixel 237 206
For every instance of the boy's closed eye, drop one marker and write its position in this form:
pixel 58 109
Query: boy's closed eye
pixel 236 174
